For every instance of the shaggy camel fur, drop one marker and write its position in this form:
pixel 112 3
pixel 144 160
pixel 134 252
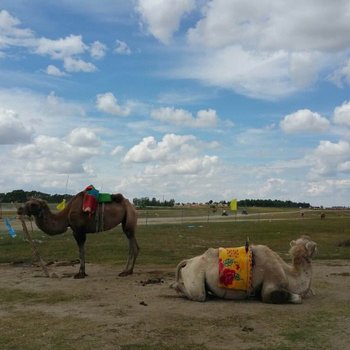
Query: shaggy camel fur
pixel 120 210
pixel 272 278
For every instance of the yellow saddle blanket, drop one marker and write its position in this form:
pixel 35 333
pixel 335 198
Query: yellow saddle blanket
pixel 235 268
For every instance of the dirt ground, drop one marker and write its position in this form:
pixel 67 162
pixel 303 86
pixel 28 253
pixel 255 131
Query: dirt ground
pixel 141 312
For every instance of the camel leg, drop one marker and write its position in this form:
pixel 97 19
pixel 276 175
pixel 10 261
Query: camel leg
pixel 192 280
pixel 133 252
pixel 278 294
pixel 80 239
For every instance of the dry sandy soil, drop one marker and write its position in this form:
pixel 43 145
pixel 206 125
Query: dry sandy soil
pixel 141 312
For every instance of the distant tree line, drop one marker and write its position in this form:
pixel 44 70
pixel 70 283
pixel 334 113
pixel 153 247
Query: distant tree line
pixel 146 202
pixel 275 203
pixel 21 196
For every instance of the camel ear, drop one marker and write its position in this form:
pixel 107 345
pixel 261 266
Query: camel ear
pixel 311 248
pixel 292 243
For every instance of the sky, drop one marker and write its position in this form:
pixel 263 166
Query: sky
pixel 192 100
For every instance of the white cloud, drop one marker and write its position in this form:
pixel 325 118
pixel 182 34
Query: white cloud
pixel 50 114
pixel 342 114
pixel 272 186
pixel 177 164
pixel 204 118
pixel 68 49
pixel 241 46
pixel 187 166
pixel 109 104
pixel 330 159
pixel 304 68
pixel 12 130
pixel 98 50
pixel 257 74
pixel 117 150
pixel 53 155
pixel 77 65
pixel 162 17
pixel 304 120
pixel 150 150
pixel 83 137
pixel 53 70
pixel 56 107
pixel 7 22
pixel 11 34
pixel 122 48
pixel 61 48
pixel 266 25
pixel 328 187
pixel 341 76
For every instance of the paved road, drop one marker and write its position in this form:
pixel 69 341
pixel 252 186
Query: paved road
pixel 216 218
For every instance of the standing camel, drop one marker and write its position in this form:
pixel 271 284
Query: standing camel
pixel 107 216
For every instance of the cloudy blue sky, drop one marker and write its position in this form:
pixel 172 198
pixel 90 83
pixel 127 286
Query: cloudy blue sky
pixel 186 99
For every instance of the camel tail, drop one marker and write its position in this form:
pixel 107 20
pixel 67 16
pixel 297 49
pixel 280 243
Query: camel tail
pixel 130 220
pixel 179 267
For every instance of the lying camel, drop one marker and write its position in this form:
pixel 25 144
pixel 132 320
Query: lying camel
pixel 272 278
pixel 119 210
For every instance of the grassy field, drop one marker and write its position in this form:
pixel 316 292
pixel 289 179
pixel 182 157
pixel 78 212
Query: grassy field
pixel 168 243
pixel 30 307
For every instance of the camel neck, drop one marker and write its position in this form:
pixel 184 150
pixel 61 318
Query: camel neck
pixel 52 223
pixel 300 276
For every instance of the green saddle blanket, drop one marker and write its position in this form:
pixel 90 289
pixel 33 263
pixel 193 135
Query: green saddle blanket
pixel 104 198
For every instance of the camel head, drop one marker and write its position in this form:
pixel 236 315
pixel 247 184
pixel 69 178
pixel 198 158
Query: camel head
pixel 34 206
pixel 303 249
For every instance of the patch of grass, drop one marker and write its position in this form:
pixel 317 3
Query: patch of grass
pixel 169 243
pixel 160 346
pixel 67 333
pixel 302 330
pixel 12 296
pixel 285 328
pixel 308 331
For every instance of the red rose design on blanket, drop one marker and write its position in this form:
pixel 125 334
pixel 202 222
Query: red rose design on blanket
pixel 235 266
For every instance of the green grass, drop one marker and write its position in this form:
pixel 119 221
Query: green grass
pixel 160 346
pixel 207 211
pixel 17 332
pixel 10 295
pixel 166 245
pixel 308 331
pixel 169 243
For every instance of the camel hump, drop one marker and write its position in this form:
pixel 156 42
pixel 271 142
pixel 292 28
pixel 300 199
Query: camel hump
pixel 117 197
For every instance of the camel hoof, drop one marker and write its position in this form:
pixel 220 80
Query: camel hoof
pixel 125 273
pixel 80 275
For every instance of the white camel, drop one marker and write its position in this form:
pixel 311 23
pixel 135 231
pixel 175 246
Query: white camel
pixel 272 278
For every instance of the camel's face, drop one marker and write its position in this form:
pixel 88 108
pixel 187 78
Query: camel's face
pixel 32 207
pixel 303 246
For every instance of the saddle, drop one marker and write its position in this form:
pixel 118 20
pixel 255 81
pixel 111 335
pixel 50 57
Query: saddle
pixel 235 268
pixel 92 197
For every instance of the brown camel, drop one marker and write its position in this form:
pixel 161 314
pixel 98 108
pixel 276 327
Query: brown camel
pixel 107 216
